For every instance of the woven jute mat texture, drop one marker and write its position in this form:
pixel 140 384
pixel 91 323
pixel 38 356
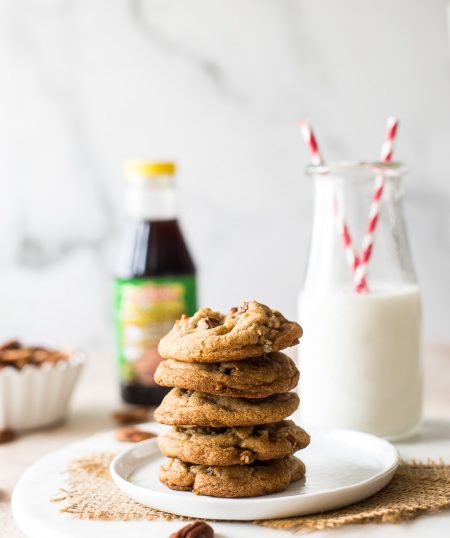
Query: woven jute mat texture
pixel 417 488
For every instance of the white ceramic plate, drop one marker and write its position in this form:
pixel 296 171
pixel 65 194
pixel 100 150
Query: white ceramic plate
pixel 342 467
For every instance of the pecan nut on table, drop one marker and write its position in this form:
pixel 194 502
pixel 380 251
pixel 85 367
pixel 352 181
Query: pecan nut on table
pixel 199 529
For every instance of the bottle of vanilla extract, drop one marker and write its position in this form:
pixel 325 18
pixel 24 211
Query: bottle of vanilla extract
pixel 155 280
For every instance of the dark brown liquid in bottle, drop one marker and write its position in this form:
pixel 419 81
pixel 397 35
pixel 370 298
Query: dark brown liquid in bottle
pixel 153 249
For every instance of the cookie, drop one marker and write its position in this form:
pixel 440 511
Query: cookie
pixel 257 377
pixel 248 331
pixel 233 446
pixel 190 408
pixel 252 480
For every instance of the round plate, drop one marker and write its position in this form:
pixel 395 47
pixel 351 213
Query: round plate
pixel 37 517
pixel 342 467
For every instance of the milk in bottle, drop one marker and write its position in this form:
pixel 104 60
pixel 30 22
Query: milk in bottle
pixel 360 355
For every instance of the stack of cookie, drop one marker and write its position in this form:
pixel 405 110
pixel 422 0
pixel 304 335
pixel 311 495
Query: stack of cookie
pixel 231 396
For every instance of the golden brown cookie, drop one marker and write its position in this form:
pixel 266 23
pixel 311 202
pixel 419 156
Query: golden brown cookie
pixel 233 446
pixel 253 480
pixel 256 377
pixel 248 331
pixel 190 408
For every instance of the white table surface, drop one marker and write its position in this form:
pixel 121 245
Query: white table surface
pixel 97 396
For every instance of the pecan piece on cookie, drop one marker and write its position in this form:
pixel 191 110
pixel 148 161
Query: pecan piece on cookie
pixel 208 323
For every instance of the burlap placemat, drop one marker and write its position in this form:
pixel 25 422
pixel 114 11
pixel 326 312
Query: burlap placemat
pixel 417 488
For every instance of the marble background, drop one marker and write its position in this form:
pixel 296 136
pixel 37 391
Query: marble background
pixel 217 85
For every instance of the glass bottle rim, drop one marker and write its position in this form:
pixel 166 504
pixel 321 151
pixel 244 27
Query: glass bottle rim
pixel 356 169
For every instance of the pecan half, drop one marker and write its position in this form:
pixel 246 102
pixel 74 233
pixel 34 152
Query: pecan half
pixel 133 435
pixel 199 529
pixel 7 435
pixel 131 415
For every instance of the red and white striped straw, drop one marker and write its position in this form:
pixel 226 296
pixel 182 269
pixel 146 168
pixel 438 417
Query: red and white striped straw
pixel 311 142
pixel 374 212
pixel 388 145
pixel 343 230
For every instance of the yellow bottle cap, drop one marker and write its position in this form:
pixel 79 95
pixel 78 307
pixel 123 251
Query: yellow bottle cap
pixel 138 167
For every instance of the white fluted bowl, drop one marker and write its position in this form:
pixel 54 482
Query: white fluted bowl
pixel 38 396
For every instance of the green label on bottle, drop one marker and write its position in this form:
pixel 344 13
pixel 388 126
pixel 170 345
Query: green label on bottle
pixel 145 311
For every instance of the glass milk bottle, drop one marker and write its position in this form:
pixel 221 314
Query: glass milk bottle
pixel 360 356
